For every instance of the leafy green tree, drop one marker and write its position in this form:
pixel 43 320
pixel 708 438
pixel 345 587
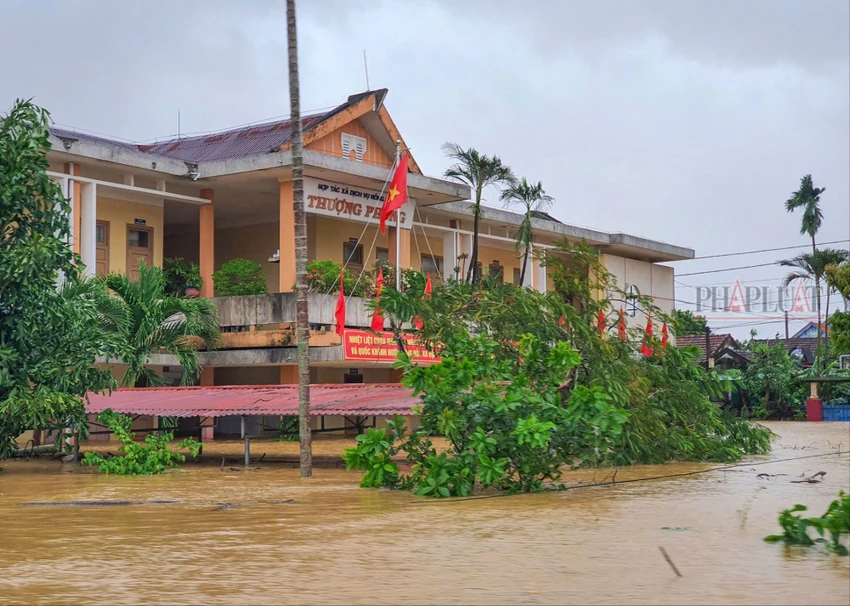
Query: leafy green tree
pixel 838 278
pixel 769 383
pixel 532 198
pixel 807 198
pixel 685 322
pixel 149 320
pixel 50 337
pixel 478 171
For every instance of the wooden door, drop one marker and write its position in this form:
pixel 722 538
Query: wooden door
pixel 139 249
pixel 102 247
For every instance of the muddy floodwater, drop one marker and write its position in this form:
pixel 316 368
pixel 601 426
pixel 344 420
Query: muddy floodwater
pixel 263 536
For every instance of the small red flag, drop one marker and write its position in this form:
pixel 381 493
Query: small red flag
pixel 664 336
pixel 561 321
pixel 339 314
pixel 621 330
pixel 428 289
pixel 378 315
pixel 645 349
pixel 600 322
pixel 396 194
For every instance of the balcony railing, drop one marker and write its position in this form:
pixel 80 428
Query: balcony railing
pixel 269 320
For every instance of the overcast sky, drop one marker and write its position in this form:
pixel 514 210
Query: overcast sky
pixel 687 121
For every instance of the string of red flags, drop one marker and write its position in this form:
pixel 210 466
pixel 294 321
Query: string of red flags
pixel 377 314
pixel 396 194
pixel 645 349
pixel 339 313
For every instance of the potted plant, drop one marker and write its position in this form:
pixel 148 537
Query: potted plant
pixel 182 278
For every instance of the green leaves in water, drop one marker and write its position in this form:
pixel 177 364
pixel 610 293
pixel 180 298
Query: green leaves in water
pixel 835 522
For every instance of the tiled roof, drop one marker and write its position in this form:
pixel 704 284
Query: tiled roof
pixel 807 345
pixel 346 399
pixel 234 143
pixel 715 342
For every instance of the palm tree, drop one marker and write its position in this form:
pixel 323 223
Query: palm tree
pixel 141 319
pixel 813 266
pixel 301 301
pixel 807 197
pixel 532 198
pixel 478 171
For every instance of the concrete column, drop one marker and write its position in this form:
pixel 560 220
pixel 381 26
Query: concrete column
pixel 206 257
pixel 539 276
pixel 73 168
pixel 404 259
pixel 450 253
pixel 287 238
pixel 87 239
pixel 207 380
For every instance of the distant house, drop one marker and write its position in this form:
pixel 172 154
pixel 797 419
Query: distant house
pixel 724 350
pixel 810 331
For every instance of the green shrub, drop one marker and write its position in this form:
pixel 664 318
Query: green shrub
pixel 323 278
pixel 240 277
pixel 180 275
pixel 153 456
pixel 835 521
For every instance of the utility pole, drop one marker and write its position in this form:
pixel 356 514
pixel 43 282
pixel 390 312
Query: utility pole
pixel 708 351
pixel 301 304
pixel 786 324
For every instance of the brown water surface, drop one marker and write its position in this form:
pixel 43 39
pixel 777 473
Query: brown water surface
pixel 266 536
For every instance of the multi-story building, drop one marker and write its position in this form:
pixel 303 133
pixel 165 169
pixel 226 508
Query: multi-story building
pixel 213 198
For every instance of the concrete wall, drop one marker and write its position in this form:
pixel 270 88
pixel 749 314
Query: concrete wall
pixel 650 279
pixel 119 214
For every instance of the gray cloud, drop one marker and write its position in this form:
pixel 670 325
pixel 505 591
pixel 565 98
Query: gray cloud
pixel 688 121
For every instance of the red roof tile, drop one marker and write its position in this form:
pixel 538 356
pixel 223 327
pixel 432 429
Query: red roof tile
pixel 347 399
pixel 715 342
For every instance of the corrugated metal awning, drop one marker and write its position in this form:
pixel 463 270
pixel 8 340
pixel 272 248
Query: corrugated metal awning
pixel 380 399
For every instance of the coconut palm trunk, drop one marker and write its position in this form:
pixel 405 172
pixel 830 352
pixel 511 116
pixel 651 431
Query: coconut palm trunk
pixel 301 304
pixel 472 272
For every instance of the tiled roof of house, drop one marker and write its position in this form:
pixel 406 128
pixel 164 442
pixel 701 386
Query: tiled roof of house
pixel 715 342
pixel 234 143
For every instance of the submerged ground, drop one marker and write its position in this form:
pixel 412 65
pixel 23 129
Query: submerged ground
pixel 265 536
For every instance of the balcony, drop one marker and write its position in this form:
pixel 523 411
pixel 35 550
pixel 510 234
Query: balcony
pixel 262 321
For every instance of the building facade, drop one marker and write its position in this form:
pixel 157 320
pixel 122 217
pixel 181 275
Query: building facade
pixel 213 198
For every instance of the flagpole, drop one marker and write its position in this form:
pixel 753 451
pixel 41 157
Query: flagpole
pixel 398 227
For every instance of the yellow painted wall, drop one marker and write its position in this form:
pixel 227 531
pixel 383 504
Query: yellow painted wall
pixel 120 214
pixel 254 242
pixel 329 235
pixel 650 279
pixel 331 144
pixel 508 259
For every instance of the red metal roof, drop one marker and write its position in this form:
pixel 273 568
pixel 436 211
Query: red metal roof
pixel 381 399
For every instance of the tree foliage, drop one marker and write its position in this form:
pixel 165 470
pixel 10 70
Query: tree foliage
pixel 153 456
pixel 769 383
pixel 478 171
pixel 685 322
pixel 530 382
pixel 145 319
pixel 49 336
pixel 530 197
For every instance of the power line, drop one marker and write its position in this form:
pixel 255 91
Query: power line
pixel 761 250
pixel 715 271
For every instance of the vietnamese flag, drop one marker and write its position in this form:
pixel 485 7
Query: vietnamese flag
pixel 664 336
pixel 378 315
pixel 428 289
pixel 396 194
pixel 600 321
pixel 621 330
pixel 339 314
pixel 645 349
